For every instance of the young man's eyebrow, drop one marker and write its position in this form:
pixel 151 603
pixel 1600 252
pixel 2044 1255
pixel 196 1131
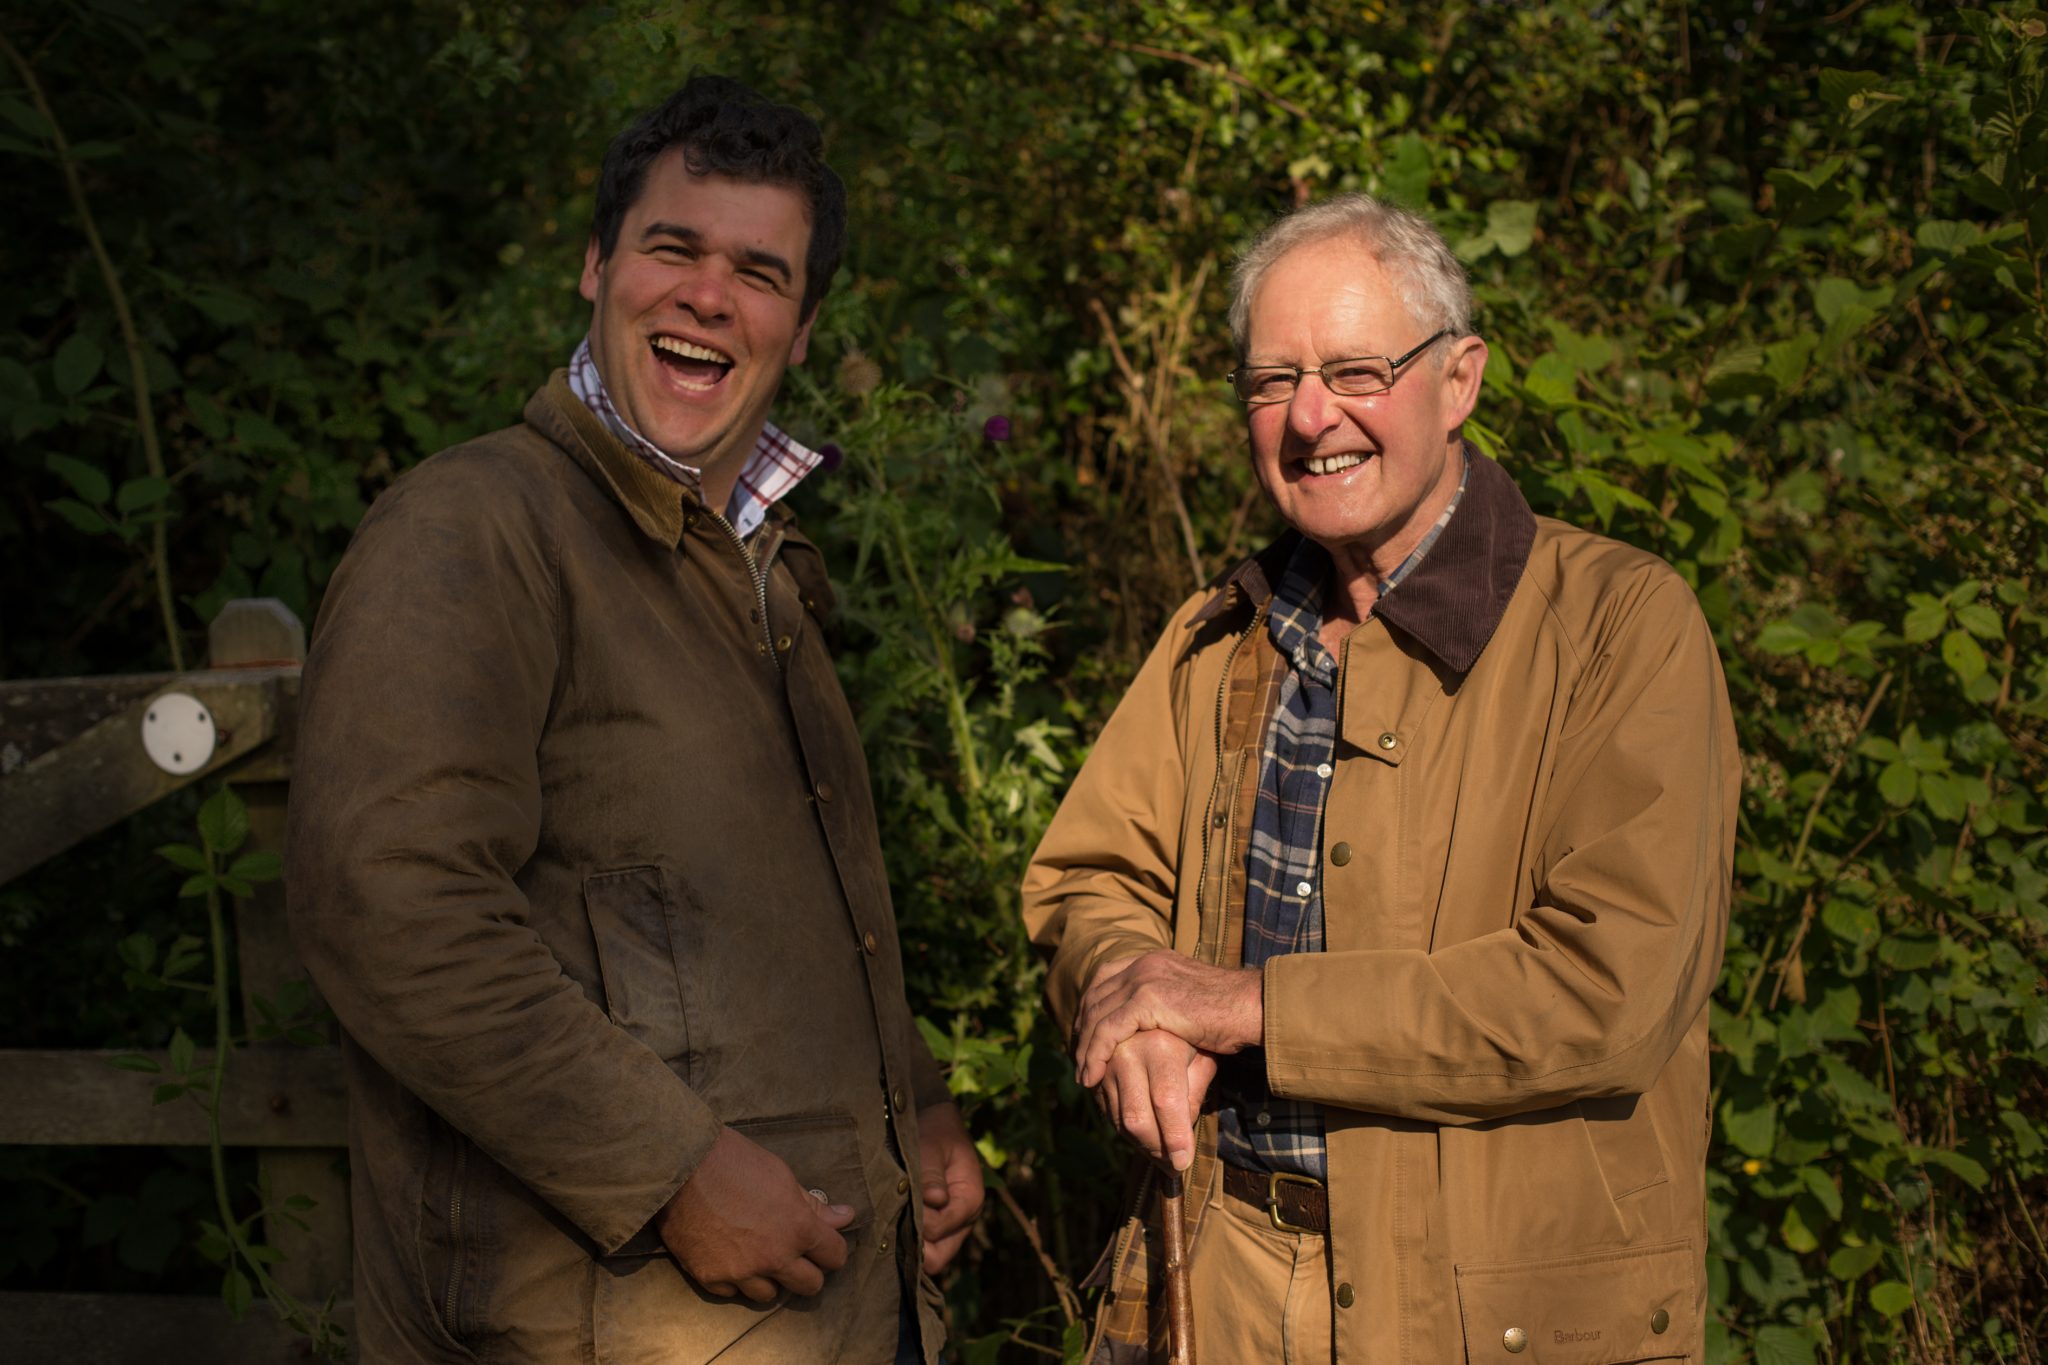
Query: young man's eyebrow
pixel 767 260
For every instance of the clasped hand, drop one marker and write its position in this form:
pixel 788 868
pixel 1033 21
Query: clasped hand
pixel 1147 1037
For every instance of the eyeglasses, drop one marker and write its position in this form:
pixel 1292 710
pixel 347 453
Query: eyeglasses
pixel 1357 378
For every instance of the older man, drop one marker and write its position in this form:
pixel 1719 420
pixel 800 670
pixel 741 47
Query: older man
pixel 582 848
pixel 1404 865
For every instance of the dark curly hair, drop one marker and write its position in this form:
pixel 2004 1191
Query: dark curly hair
pixel 725 128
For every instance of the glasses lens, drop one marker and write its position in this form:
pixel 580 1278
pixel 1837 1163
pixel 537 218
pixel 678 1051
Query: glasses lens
pixel 1264 384
pixel 1372 374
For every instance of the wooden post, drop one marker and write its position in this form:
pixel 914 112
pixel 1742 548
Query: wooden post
pixel 256 633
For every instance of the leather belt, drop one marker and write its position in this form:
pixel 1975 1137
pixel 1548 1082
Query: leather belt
pixel 1295 1203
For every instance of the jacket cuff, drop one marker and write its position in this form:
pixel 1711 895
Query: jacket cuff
pixel 628 1221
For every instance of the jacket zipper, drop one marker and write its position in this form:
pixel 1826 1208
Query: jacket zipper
pixel 760 577
pixel 1216 785
pixel 455 1238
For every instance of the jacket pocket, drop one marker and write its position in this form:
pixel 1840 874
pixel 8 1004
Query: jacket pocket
pixel 1603 1308
pixel 446 1211
pixel 632 920
pixel 1626 1143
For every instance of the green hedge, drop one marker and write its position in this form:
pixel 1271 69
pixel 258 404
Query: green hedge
pixel 1764 286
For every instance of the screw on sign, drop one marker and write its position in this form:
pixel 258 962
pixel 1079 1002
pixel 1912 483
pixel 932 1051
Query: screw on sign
pixel 178 733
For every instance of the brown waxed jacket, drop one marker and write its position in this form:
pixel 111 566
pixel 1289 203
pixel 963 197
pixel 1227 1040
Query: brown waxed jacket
pixel 1526 875
pixel 584 857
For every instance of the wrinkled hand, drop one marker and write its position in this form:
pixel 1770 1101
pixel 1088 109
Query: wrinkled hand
pixel 1216 1009
pixel 1153 1089
pixel 741 1224
pixel 951 1182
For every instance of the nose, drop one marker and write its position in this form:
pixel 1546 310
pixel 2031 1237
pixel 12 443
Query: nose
pixel 1310 412
pixel 705 290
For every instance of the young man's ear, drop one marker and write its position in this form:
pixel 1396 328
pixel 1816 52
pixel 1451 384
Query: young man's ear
pixel 593 271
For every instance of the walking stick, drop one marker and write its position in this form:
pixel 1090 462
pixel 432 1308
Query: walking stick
pixel 1180 1312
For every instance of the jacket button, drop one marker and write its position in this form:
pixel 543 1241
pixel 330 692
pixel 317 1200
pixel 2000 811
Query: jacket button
pixel 824 791
pixel 869 941
pixel 899 1099
pixel 1340 854
pixel 1221 818
pixel 1515 1340
pixel 903 1184
pixel 1389 740
pixel 884 1246
pixel 1660 1322
pixel 1345 1296
pixel 782 643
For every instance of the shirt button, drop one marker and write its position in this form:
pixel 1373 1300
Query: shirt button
pixel 1346 1296
pixel 1389 740
pixel 1323 770
pixel 1303 888
pixel 1262 1119
pixel 1340 853
pixel 869 941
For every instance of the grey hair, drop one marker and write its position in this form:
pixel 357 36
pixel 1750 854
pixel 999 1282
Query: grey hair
pixel 1407 246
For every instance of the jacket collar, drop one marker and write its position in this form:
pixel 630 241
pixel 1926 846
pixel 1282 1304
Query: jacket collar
pixel 1450 603
pixel 658 505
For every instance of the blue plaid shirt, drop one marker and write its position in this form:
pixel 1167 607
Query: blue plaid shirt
pixel 1283 906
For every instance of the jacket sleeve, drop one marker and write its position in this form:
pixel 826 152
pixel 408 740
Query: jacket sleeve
pixel 1590 989
pixel 416 801
pixel 1101 885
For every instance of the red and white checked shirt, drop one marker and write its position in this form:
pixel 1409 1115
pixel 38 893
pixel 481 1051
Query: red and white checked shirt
pixel 778 463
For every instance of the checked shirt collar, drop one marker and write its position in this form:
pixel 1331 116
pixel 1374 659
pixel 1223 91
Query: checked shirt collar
pixel 778 462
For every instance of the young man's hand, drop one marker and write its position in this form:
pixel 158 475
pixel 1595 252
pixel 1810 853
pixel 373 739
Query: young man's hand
pixel 741 1224
pixel 951 1182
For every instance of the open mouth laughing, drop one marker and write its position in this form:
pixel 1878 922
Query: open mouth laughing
pixel 694 366
pixel 1334 464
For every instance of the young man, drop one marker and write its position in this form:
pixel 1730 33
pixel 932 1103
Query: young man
pixel 1407 857
pixel 583 853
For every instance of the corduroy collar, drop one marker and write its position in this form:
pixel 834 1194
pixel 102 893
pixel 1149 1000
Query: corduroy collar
pixel 1452 602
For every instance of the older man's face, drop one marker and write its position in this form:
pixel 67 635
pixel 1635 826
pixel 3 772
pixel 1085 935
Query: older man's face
pixel 1370 474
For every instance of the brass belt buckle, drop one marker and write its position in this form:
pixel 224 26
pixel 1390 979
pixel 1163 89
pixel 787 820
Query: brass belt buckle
pixel 1273 1183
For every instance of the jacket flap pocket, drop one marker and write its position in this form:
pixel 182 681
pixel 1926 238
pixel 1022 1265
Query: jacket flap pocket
pixel 629 919
pixel 824 1151
pixel 1599 1309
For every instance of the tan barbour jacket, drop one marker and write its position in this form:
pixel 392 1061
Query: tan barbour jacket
pixel 585 874
pixel 1535 802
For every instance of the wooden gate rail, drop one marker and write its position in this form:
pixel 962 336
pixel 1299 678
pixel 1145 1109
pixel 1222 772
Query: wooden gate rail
pixel 73 763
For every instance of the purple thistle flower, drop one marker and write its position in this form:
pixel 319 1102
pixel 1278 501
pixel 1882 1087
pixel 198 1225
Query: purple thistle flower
pixel 996 429
pixel 830 456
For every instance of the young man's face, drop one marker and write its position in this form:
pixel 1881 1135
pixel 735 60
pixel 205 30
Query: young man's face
pixel 696 313
pixel 1371 474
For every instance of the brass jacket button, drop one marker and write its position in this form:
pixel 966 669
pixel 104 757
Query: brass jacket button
pixel 1660 1322
pixel 1389 740
pixel 1345 1296
pixel 824 791
pixel 869 941
pixel 1516 1340
pixel 899 1099
pixel 1340 854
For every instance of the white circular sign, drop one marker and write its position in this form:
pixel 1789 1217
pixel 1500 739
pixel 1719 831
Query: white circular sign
pixel 178 733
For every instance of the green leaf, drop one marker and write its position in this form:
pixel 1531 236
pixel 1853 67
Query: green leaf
pixel 1551 381
pixel 264 865
pixel 183 1050
pixel 198 884
pixel 137 494
pixel 1981 620
pixel 1511 223
pixel 183 856
pixel 80 516
pixel 1946 238
pixel 1898 783
pixel 1783 637
pixel 135 1061
pixel 164 1094
pixel 223 822
pixel 1753 1131
pixel 1973 1174
pixel 77 364
pixel 235 1292
pixel 86 480
pixel 1924 618
pixel 1891 1298
pixel 1777 1344
pixel 1849 1263
pixel 1963 655
pixel 1822 1189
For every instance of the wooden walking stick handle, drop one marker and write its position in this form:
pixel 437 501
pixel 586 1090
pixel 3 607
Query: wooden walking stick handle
pixel 1180 1312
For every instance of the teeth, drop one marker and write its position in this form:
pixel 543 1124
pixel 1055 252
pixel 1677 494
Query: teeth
pixel 1332 464
pixel 690 350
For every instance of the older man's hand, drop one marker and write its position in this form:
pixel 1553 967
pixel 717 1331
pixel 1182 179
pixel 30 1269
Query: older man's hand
pixel 1153 1089
pixel 950 1182
pixel 1215 1009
